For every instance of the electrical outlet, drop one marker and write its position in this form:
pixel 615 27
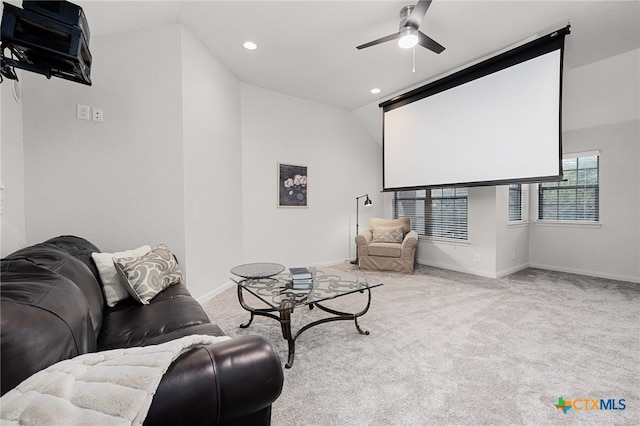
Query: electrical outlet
pixel 513 256
pixel 82 112
pixel 97 115
pixel 477 257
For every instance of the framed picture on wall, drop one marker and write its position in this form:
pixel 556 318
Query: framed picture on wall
pixel 292 185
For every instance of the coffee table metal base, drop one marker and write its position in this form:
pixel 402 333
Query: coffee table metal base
pixel 284 318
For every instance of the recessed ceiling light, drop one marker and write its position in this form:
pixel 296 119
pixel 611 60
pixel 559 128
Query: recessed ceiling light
pixel 375 91
pixel 249 45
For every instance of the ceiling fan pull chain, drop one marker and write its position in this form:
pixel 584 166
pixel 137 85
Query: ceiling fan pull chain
pixel 414 59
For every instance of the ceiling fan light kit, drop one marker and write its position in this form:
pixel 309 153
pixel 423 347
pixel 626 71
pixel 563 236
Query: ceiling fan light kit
pixel 408 34
pixel 408 38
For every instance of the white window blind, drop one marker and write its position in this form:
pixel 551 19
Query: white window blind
pixel 437 212
pixel 518 202
pixel 577 196
pixel 515 202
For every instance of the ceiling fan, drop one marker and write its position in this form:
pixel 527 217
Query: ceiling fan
pixel 408 34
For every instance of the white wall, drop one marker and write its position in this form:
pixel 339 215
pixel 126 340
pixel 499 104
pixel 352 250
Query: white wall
pixel 604 104
pixel 477 255
pixel 164 166
pixel 343 162
pixel 118 183
pixel 512 238
pixel 187 155
pixel 12 230
pixel 603 92
pixel 212 168
pixel 611 250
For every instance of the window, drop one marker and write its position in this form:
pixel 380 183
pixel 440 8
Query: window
pixel 518 202
pixel 515 202
pixel 438 212
pixel 576 197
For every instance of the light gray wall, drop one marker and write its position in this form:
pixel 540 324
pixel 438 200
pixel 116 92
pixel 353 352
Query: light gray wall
pixel 343 162
pixel 477 255
pixel 164 166
pixel 185 157
pixel 118 183
pixel 12 230
pixel 603 113
pixel 212 168
pixel 611 250
pixel 512 238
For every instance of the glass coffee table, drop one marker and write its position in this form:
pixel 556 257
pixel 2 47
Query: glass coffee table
pixel 282 299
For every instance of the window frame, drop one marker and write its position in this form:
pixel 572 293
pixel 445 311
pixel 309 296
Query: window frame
pixel 427 223
pixel 556 187
pixel 523 194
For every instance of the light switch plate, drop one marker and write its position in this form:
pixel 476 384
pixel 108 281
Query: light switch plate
pixel 82 112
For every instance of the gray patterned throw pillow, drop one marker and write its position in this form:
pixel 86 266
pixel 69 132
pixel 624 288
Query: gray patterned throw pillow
pixel 146 276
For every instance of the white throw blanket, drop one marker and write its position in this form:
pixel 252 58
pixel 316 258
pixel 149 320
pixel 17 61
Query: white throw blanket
pixel 103 388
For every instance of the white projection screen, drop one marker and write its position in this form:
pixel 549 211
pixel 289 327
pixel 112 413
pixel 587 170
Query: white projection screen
pixel 496 122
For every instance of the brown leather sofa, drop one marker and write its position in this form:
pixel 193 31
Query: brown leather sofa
pixel 52 308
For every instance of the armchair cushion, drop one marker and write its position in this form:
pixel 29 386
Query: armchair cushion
pixel 388 234
pixel 405 222
pixel 385 249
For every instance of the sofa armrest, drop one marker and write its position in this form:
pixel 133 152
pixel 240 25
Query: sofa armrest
pixel 218 383
pixel 364 238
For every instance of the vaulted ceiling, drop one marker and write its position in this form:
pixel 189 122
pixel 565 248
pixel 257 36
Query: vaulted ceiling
pixel 308 49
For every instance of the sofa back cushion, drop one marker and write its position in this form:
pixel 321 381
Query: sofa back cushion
pixel 52 257
pixel 45 318
pixel 79 248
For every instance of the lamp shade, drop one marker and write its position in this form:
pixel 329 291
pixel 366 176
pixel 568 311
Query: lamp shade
pixel 367 202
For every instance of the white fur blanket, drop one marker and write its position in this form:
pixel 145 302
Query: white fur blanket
pixel 103 388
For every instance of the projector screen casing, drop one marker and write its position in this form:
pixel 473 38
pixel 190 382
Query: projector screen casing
pixel 496 122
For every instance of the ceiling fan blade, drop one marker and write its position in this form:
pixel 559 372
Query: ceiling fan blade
pixel 415 19
pixel 378 41
pixel 426 41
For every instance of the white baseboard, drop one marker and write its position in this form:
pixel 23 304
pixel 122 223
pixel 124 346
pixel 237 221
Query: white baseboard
pixel 334 262
pixel 597 274
pixel 478 272
pixel 230 284
pixel 216 291
pixel 503 273
pixel 511 270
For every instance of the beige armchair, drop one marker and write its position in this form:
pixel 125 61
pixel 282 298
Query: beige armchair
pixel 388 245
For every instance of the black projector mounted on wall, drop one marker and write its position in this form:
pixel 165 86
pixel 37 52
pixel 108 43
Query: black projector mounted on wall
pixel 46 37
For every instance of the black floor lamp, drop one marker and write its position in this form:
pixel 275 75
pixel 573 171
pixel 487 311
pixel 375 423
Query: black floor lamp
pixel 367 203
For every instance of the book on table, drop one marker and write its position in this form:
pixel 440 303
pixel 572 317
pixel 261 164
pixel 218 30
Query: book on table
pixel 301 278
pixel 300 273
pixel 301 285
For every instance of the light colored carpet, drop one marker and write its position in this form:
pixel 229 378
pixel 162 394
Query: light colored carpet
pixel 453 349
